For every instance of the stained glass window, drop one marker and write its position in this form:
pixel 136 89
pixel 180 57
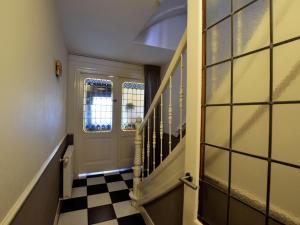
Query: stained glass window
pixel 132 104
pixel 98 105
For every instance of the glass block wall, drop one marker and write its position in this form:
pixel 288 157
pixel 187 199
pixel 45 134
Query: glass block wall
pixel 250 152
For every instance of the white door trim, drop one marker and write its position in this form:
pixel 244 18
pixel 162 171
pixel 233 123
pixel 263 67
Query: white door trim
pixel 85 65
pixel 193 121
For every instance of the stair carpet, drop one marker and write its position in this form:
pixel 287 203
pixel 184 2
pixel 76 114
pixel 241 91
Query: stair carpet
pixel 101 200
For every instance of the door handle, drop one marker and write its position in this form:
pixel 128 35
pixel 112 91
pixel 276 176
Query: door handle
pixel 188 180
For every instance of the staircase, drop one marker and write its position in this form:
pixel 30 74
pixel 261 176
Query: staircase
pixel 159 156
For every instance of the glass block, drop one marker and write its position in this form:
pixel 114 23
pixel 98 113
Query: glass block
pixel 286 19
pixel 286 72
pixel 217 125
pixel 218 84
pixel 218 42
pixel 273 222
pixel 237 4
pixel 284 195
pixel 216 10
pixel 242 214
pixel 250 129
pixel 251 28
pixel 251 78
pixel 216 166
pixel 286 133
pixel 212 205
pixel 245 183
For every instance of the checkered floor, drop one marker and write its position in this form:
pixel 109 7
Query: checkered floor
pixel 101 200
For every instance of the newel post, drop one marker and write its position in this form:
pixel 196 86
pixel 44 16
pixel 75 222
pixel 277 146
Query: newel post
pixel 134 194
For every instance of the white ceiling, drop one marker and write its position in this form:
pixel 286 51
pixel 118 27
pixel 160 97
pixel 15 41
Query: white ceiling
pixel 107 29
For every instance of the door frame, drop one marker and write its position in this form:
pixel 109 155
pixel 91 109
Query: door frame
pixel 85 65
pixel 193 122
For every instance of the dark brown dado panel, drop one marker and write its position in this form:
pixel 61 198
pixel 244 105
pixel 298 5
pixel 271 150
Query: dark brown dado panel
pixel 40 206
pixel 168 208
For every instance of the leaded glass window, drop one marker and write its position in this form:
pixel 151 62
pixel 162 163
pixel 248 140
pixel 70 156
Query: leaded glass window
pixel 98 105
pixel 132 104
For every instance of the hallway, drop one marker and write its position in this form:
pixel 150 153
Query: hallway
pixel 101 200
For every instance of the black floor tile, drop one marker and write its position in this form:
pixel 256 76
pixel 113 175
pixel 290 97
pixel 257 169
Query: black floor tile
pixel 101 214
pixel 98 175
pixel 136 219
pixel 113 178
pixel 129 183
pixel 119 196
pixel 79 183
pixel 73 204
pixel 97 189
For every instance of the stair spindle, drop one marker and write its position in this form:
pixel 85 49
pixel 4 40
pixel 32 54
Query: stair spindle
pixel 170 115
pixel 143 154
pixel 181 96
pixel 148 148
pixel 161 128
pixel 154 137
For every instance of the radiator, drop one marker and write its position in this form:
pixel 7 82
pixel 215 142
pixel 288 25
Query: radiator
pixel 68 172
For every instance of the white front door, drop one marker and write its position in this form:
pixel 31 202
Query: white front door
pixel 106 112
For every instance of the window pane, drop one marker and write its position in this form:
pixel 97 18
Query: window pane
pixel 132 104
pixel 218 84
pixel 217 125
pixel 287 72
pixel 286 133
pixel 251 28
pixel 216 166
pixel 237 4
pixel 284 199
pixel 286 19
pixel 247 185
pixel 98 107
pixel 251 72
pixel 216 10
pixel 218 43
pixel 251 129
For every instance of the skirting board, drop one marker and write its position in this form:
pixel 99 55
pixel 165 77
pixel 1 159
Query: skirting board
pixel 57 213
pixel 146 216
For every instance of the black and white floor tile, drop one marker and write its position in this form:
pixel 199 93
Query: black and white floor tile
pixel 101 200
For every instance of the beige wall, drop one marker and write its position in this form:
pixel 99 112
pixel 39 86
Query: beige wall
pixel 32 99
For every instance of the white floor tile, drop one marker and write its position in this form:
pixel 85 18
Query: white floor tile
pixel 110 222
pixel 124 209
pixel 116 186
pixel 95 180
pixel 78 217
pixel 79 192
pixel 127 176
pixel 98 200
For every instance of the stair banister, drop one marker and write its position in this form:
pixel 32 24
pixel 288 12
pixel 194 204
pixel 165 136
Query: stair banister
pixel 141 126
pixel 171 69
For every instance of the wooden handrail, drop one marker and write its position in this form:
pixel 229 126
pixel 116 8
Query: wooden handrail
pixel 171 69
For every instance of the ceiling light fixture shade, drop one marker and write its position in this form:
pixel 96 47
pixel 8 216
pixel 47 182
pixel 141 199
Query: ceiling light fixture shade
pixel 166 26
